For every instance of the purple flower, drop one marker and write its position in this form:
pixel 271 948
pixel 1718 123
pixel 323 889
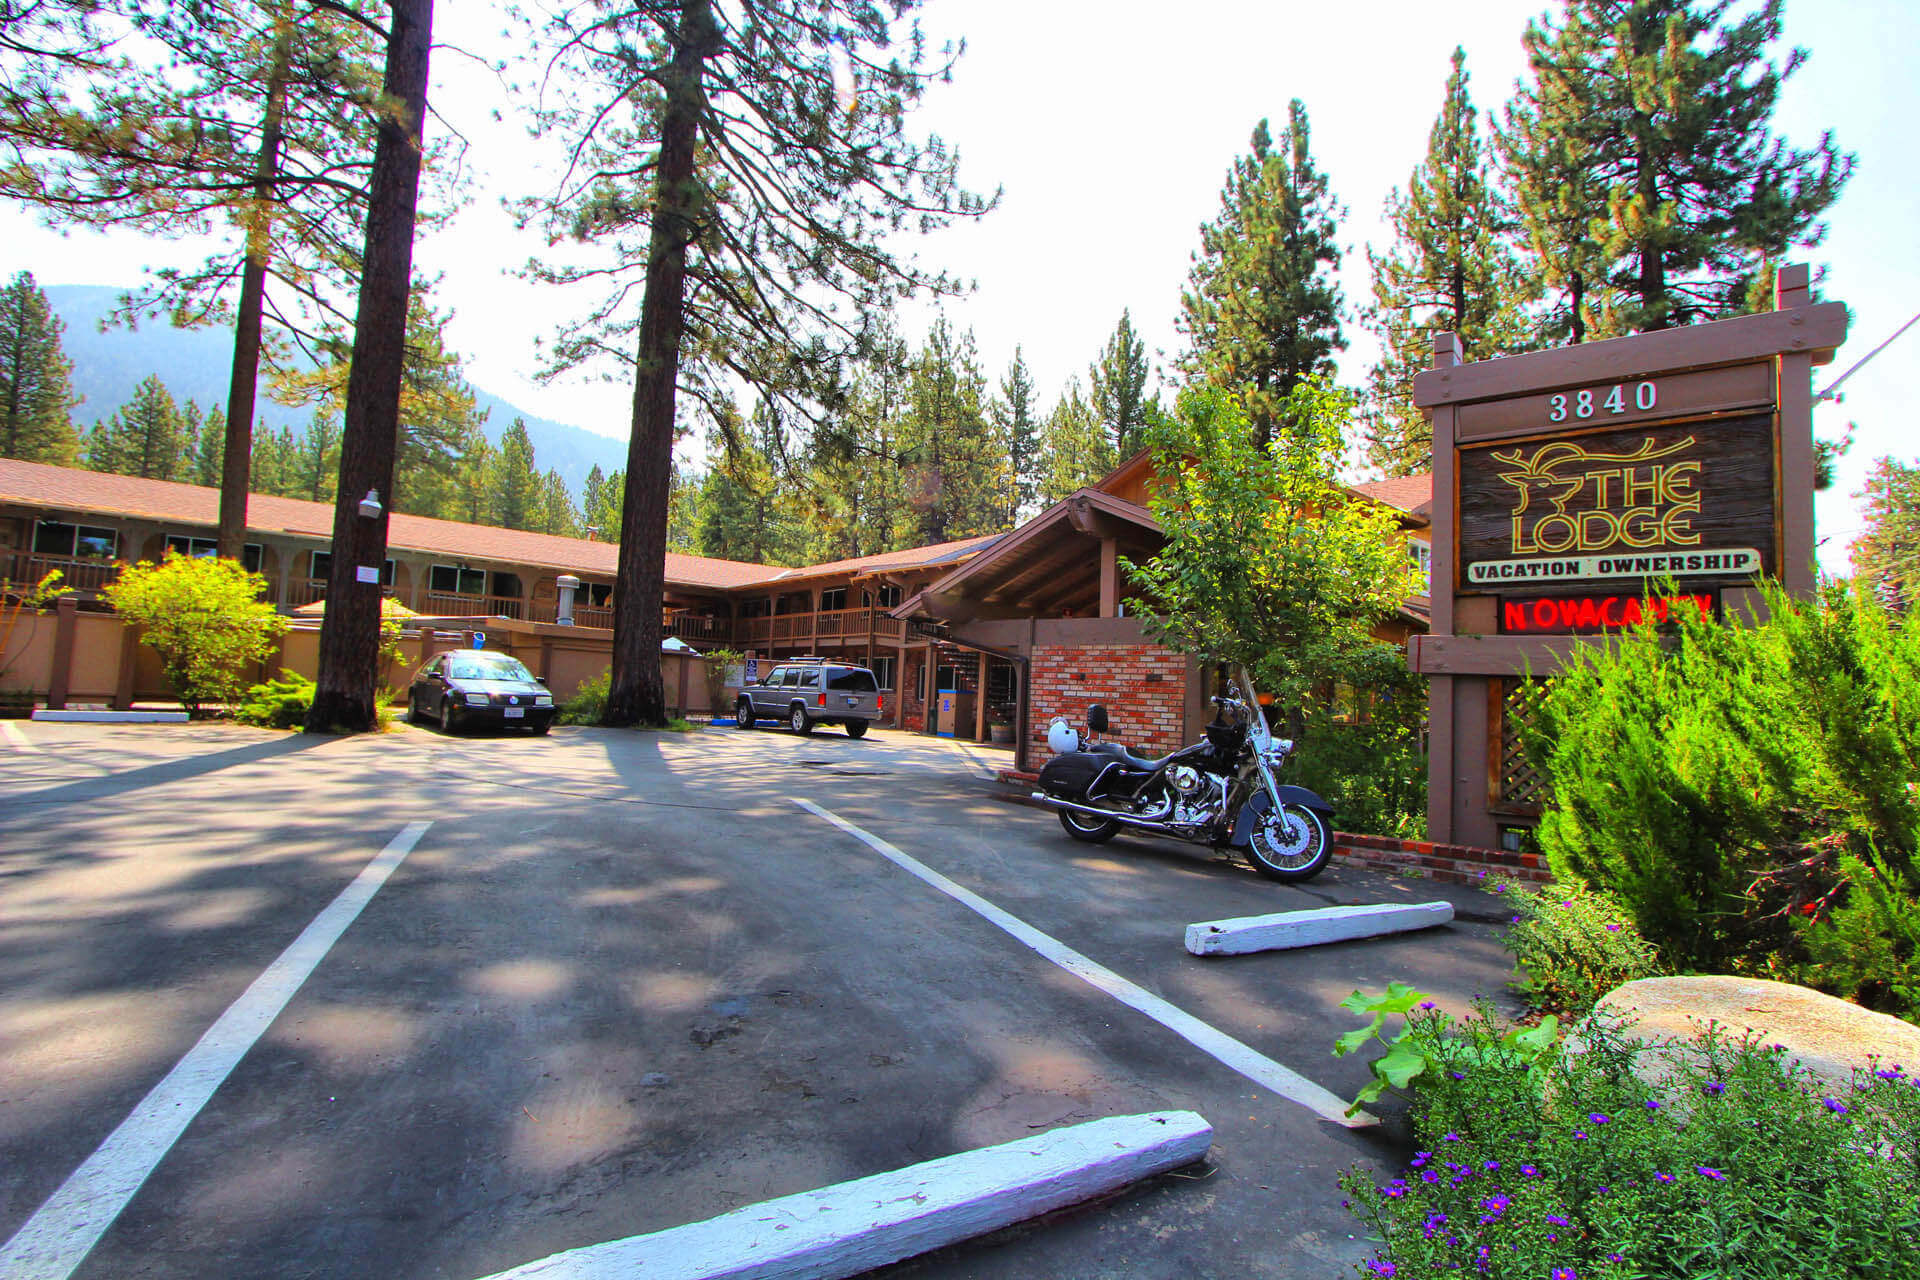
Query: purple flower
pixel 1663 1177
pixel 1491 1165
pixel 1579 1135
pixel 1381 1267
pixel 1528 1171
pixel 1428 1004
pixel 1430 1176
pixel 1598 1118
pixel 1565 1273
pixel 1494 1206
pixel 1713 1174
pixel 1557 1220
pixel 1653 1104
pixel 1449 1137
pixel 1613 928
pixel 1714 1087
pixel 1420 1158
pixel 1894 1074
pixel 1499 888
pixel 1567 903
pixel 1458 1075
pixel 1838 1108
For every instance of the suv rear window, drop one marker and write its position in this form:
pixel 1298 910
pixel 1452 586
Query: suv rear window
pixel 853 680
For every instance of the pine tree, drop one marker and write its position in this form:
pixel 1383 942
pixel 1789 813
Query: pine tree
pixel 468 497
pixel 144 437
pixel 1886 556
pixel 1013 410
pixel 316 461
pixel 516 496
pixel 557 515
pixel 855 475
pixel 1074 448
pixel 1689 200
pixel 1119 379
pixel 683 513
pixel 211 449
pixel 744 513
pixel 36 388
pixel 1450 268
pixel 955 471
pixel 765 229
pixel 1261 312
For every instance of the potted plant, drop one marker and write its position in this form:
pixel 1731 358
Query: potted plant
pixel 1000 723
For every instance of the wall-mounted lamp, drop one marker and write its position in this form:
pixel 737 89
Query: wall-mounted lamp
pixel 370 507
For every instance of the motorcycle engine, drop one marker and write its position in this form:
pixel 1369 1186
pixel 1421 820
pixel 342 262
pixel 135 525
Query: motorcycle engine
pixel 1198 797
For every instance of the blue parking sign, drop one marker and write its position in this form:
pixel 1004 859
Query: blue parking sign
pixel 753 669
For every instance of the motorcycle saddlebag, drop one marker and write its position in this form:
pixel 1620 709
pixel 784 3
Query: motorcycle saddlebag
pixel 1069 776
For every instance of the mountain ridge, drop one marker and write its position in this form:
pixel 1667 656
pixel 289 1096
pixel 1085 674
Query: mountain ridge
pixel 196 364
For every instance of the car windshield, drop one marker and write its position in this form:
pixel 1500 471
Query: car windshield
pixel 491 667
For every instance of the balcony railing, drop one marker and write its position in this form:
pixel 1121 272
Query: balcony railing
pixel 584 615
pixel 846 625
pixel 77 573
pixel 448 604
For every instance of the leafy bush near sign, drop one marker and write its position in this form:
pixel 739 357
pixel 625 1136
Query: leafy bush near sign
pixel 1573 945
pixel 205 618
pixel 1747 791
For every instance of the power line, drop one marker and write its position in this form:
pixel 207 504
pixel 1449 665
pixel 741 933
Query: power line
pixel 1835 385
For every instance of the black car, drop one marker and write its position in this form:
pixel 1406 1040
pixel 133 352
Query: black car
pixel 466 687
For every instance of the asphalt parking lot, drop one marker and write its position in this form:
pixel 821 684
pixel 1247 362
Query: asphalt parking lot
pixel 618 982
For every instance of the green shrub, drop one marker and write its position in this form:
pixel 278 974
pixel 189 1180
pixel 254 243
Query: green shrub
pixel 1747 791
pixel 280 703
pixel 1363 750
pixel 589 701
pixel 714 672
pixel 1570 1167
pixel 205 619
pixel 1573 945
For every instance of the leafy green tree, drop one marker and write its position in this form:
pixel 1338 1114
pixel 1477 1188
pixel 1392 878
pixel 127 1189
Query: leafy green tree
pixel 1886 555
pixel 145 437
pixel 1269 561
pixel 1688 199
pixel 1261 311
pixel 753 161
pixel 36 387
pixel 745 511
pixel 1119 379
pixel 1013 413
pixel 955 468
pixel 205 619
pixel 516 496
pixel 1450 268
pixel 1075 450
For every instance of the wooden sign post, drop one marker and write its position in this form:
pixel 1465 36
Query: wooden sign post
pixel 1568 484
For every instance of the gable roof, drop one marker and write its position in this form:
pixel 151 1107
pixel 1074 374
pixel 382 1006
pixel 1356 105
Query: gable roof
pixel 1411 494
pixel 933 555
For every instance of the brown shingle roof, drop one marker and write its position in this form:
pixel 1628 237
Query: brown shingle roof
pixel 35 484
pixel 938 553
pixel 1412 494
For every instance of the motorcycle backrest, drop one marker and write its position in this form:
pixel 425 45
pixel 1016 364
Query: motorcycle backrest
pixel 1097 718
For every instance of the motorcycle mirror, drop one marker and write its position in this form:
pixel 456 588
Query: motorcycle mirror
pixel 1097 718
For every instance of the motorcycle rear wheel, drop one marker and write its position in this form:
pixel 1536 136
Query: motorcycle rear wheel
pixel 1089 829
pixel 1291 845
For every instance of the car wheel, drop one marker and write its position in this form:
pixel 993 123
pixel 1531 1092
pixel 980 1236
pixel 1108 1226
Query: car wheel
pixel 413 710
pixel 802 722
pixel 542 729
pixel 856 728
pixel 449 717
pixel 743 715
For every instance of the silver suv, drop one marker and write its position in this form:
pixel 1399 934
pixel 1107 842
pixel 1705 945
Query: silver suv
pixel 807 693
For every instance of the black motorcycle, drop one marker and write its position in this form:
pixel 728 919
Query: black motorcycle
pixel 1223 792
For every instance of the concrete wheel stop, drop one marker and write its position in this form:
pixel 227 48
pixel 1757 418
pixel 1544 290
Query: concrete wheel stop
pixel 853 1227
pixel 1286 929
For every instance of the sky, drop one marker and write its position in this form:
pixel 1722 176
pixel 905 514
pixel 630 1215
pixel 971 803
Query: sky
pixel 1109 129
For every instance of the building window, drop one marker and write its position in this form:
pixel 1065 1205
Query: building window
pixel 887 597
pixel 81 541
pixel 206 548
pixel 883 672
pixel 593 595
pixel 833 598
pixel 323 568
pixel 447 579
pixel 1421 553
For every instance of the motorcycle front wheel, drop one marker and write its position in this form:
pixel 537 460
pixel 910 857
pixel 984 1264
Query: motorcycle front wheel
pixel 1090 829
pixel 1290 844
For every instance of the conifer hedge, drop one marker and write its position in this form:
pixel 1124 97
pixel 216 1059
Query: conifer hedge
pixel 1748 790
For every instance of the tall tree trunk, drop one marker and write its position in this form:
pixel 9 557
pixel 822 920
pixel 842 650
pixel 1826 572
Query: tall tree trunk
pixel 350 634
pixel 237 465
pixel 636 694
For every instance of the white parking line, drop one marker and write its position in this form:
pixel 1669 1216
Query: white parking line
pixel 58 1237
pixel 1249 1062
pixel 14 734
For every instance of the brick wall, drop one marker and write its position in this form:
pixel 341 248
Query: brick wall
pixel 1143 687
pixel 1457 863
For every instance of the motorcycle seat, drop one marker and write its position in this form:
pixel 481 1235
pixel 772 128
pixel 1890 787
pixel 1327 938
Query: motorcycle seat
pixel 1119 752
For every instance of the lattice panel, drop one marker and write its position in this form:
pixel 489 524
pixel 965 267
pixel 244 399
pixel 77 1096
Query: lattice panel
pixel 1520 783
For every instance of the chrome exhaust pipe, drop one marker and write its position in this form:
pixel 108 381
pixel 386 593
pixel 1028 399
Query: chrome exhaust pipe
pixel 1156 820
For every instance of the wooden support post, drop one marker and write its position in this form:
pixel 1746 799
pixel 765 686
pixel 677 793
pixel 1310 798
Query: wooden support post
pixel 1109 577
pixel 129 660
pixel 65 624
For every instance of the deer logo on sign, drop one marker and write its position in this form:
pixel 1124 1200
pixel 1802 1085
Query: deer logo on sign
pixel 1632 499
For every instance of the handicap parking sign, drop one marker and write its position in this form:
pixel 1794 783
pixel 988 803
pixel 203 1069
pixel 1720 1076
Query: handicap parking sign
pixel 753 668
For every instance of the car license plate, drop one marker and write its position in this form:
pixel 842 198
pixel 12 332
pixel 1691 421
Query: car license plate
pixel 853 702
pixel 515 713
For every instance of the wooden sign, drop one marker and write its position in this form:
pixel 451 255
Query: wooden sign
pixel 1658 398
pixel 1692 501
